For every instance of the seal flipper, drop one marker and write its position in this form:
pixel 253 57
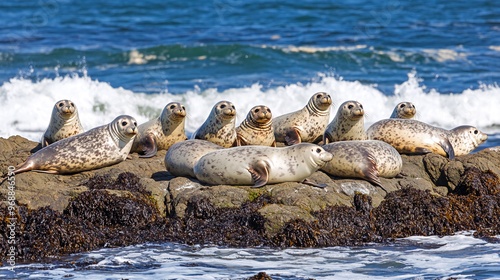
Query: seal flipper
pixel 149 146
pixel 448 148
pixel 260 173
pixel 311 183
pixel 370 172
pixel 292 137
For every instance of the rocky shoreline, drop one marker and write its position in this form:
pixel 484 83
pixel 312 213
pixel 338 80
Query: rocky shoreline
pixel 138 201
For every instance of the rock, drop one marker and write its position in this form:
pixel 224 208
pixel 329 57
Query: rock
pixel 139 201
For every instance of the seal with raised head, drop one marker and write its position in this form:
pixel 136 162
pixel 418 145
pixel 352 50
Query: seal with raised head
pixel 404 110
pixel 219 127
pixel 260 165
pixel 99 147
pixel 365 159
pixel 64 122
pixel 412 137
pixel 182 156
pixel 348 123
pixel 465 139
pixel 306 124
pixel 162 132
pixel 257 128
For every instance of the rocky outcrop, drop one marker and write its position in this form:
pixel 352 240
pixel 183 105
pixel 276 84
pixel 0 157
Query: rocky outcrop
pixel 138 201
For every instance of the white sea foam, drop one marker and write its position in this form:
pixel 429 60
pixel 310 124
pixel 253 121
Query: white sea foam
pixel 26 106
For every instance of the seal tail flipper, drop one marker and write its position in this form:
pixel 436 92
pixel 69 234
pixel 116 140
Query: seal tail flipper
pixel 24 167
pixel 149 147
pixel 292 137
pixel 260 173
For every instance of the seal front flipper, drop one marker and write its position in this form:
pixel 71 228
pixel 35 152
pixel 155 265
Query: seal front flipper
pixel 311 183
pixel 149 146
pixel 292 137
pixel 260 173
pixel 447 147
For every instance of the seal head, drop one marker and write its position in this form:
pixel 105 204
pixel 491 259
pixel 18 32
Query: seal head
pixel 404 110
pixel 257 128
pixel 64 122
pixel 466 138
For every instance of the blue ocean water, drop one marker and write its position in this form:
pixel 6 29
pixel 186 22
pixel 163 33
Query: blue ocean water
pixel 133 57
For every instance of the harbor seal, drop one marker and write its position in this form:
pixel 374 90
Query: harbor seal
pixel 162 132
pixel 64 122
pixel 260 165
pixel 306 124
pixel 404 110
pixel 465 139
pixel 182 156
pixel 412 137
pixel 99 147
pixel 365 159
pixel 257 128
pixel 219 127
pixel 348 123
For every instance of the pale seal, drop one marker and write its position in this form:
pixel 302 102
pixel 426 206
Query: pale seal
pixel 348 123
pixel 404 110
pixel 162 132
pixel 465 139
pixel 219 127
pixel 306 124
pixel 64 122
pixel 366 159
pixel 99 147
pixel 260 165
pixel 412 137
pixel 257 128
pixel 182 156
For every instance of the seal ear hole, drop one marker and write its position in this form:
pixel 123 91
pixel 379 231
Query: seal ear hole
pixel 124 123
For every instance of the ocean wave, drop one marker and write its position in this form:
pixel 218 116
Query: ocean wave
pixel 27 105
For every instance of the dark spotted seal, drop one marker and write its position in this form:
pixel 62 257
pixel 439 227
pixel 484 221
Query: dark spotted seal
pixel 162 132
pixel 260 165
pixel 64 122
pixel 182 156
pixel 348 123
pixel 305 125
pixel 99 147
pixel 364 159
pixel 404 110
pixel 257 128
pixel 219 127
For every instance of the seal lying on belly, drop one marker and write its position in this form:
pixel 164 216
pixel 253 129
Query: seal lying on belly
pixel 64 122
pixel 99 147
pixel 305 125
pixel 364 159
pixel 260 165
pixel 182 156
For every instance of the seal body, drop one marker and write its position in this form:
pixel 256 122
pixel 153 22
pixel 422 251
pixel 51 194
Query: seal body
pixel 162 132
pixel 259 165
pixel 404 110
pixel 99 147
pixel 365 159
pixel 257 128
pixel 219 127
pixel 348 123
pixel 305 125
pixel 64 122
pixel 182 156
pixel 412 137
pixel 465 139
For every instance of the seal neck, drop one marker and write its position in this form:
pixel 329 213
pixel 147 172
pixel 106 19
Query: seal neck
pixel 120 139
pixel 313 110
pixel 256 126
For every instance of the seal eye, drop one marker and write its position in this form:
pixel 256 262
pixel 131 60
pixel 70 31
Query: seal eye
pixel 223 106
pixel 172 106
pixel 360 106
pixel 60 105
pixel 72 104
pixel 350 106
pixel 476 132
pixel 318 150
pixel 124 123
pixel 233 107
pixel 257 110
pixel 183 108
pixel 135 123
pixel 402 105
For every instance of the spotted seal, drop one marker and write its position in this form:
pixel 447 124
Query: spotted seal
pixel 404 110
pixel 364 159
pixel 162 132
pixel 219 127
pixel 306 124
pixel 260 165
pixel 412 137
pixel 348 123
pixel 99 147
pixel 64 122
pixel 182 156
pixel 257 128
pixel 465 139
